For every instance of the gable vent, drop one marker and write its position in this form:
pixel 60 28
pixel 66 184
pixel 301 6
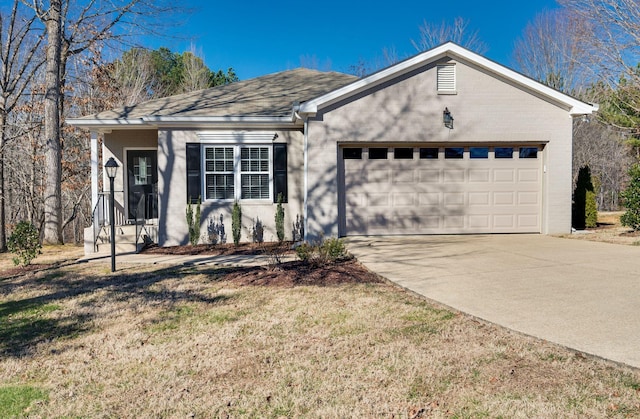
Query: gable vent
pixel 447 78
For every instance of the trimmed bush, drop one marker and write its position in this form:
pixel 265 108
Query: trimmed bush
pixel 236 223
pixel 631 200
pixel 25 243
pixel 280 219
pixel 584 203
pixel 327 251
pixel 193 223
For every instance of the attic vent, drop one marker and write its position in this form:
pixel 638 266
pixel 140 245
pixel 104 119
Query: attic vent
pixel 447 78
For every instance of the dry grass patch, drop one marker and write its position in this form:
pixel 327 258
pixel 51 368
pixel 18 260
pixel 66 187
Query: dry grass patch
pixel 609 230
pixel 206 342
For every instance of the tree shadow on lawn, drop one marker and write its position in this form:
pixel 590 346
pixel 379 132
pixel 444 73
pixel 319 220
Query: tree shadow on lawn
pixel 26 322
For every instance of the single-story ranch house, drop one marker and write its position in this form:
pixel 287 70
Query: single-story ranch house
pixel 445 142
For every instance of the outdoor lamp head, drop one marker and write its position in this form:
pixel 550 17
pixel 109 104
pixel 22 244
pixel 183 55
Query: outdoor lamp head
pixel 111 167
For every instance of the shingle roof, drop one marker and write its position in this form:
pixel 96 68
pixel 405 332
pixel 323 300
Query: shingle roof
pixel 272 95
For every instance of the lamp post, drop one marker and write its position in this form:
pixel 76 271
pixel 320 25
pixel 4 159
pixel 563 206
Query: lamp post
pixel 112 168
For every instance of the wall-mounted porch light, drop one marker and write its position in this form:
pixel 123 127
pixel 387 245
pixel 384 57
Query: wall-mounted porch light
pixel 447 119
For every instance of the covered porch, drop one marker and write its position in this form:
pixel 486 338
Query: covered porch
pixel 135 191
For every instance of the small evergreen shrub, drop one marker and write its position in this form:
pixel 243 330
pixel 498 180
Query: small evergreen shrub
pixel 583 200
pixel 297 231
pixel 193 223
pixel 257 233
pixel 215 231
pixel 631 200
pixel 25 243
pixel 591 210
pixel 304 252
pixel 327 251
pixel 280 219
pixel 236 223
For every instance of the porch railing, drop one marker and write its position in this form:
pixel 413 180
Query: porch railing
pixel 100 217
pixel 146 205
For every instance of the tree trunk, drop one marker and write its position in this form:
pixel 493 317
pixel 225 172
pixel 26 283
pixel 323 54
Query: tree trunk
pixel 53 154
pixel 3 217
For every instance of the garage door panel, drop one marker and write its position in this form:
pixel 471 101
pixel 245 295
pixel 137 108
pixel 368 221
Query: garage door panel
pixel 404 200
pixel 429 199
pixel 503 198
pixel 503 175
pixel 453 175
pixel 403 176
pixel 429 176
pixel 479 175
pixel 443 196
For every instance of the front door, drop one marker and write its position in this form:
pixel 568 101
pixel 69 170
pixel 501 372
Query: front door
pixel 142 180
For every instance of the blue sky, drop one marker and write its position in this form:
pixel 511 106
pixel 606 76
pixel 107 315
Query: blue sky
pixel 262 37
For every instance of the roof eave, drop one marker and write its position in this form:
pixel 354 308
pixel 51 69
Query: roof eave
pixel 187 122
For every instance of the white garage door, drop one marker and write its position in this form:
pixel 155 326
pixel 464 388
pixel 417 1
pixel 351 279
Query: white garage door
pixel 442 190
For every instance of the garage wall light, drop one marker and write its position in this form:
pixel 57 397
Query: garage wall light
pixel 447 119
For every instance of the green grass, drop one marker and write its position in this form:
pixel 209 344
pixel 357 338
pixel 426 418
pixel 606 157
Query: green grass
pixel 16 400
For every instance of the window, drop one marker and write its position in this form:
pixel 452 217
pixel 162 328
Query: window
pixel 528 152
pixel 352 153
pixel 446 78
pixel 237 172
pixel 403 153
pixel 503 152
pixel 454 152
pixel 479 152
pixel 428 153
pixel 142 170
pixel 219 176
pixel 254 172
pixel 377 153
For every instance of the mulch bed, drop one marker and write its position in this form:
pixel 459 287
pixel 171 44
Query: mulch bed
pixel 298 273
pixel 247 249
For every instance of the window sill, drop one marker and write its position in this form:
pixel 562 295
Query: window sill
pixel 445 92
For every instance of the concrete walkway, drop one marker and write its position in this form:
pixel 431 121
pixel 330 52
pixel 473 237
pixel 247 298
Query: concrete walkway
pixel 158 259
pixel 583 295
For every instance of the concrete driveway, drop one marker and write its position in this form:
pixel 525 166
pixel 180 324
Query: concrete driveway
pixel 583 295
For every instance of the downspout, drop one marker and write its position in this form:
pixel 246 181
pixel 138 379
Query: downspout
pixel 305 211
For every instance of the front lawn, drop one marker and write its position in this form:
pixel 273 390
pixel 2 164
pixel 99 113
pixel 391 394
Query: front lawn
pixel 147 341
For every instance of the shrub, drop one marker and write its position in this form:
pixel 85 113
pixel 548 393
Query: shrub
pixel 582 200
pixel 236 222
pixel 304 252
pixel 280 219
pixel 327 251
pixel 257 233
pixel 193 223
pixel 631 199
pixel 333 249
pixel 24 242
pixel 298 229
pixel 215 231
pixel 590 210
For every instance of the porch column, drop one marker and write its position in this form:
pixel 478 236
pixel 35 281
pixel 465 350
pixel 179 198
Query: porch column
pixel 94 169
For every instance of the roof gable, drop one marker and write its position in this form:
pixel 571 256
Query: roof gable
pixel 452 50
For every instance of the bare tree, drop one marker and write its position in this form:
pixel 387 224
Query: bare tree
pixel 196 74
pixel 72 29
pixel 458 31
pixel 19 62
pixel 553 51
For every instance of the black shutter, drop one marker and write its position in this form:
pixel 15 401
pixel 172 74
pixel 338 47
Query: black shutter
pixel 194 176
pixel 280 172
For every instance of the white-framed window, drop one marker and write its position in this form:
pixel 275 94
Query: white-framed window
pixel 237 172
pixel 446 75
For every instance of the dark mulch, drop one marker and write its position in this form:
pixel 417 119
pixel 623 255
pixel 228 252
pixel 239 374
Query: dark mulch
pixel 289 274
pixel 21 270
pixel 248 249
